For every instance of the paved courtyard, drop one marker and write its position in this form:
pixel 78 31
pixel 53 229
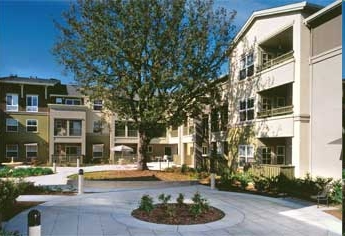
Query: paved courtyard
pixel 108 212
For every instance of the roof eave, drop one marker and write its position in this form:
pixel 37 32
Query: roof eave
pixel 322 12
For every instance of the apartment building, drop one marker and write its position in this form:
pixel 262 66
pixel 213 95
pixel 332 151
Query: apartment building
pixel 285 90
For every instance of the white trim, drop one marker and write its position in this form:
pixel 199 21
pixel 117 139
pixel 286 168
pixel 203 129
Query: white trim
pixel 323 11
pixel 267 12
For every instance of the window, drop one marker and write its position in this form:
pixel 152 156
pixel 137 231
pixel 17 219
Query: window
pixel 247 109
pixel 11 125
pixel 60 127
pixel 97 126
pixel 11 102
pixel 31 151
pixel 245 154
pixel 247 66
pixel 12 150
pixel 266 155
pixel 58 100
pixel 97 150
pixel 75 127
pixel 32 103
pixel 97 105
pixel 71 101
pixel 204 151
pixel 31 125
pixel 131 130
pixel 120 129
pixel 281 155
pixel 149 149
pixel 266 104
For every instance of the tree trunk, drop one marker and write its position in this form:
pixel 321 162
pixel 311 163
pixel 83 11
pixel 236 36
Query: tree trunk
pixel 142 150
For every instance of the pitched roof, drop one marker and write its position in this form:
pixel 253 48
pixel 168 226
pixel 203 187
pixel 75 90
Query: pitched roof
pixel 29 80
pixel 333 8
pixel 274 11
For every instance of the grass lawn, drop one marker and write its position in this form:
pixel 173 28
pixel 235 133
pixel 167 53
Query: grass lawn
pixel 136 175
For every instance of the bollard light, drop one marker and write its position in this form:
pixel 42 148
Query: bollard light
pixel 80 181
pixel 34 223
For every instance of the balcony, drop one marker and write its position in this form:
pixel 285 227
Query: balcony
pixel 188 130
pixel 275 61
pixel 275 112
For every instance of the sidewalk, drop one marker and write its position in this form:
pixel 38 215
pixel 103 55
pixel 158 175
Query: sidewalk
pixel 110 214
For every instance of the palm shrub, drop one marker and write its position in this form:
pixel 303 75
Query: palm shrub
pixel 164 199
pixel 199 206
pixel 226 177
pixel 146 203
pixel 244 179
pixel 180 199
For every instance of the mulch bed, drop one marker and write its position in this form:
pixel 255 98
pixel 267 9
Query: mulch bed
pixel 181 215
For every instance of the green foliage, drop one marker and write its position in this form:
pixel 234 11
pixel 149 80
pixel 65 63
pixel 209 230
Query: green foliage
pixel 226 177
pixel 244 179
pixel 336 192
pixel 146 204
pixel 8 233
pixel 155 61
pixel 180 199
pixel 184 169
pixel 260 183
pixel 24 172
pixel 164 199
pixel 8 194
pixel 199 206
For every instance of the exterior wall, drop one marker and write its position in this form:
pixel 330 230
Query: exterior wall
pixel 326 114
pixel 97 139
pixel 67 112
pixel 331 29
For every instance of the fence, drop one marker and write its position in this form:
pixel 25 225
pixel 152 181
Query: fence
pixel 273 170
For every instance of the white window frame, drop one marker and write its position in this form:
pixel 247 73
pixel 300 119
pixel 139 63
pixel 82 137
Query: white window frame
pixel 8 120
pixel 27 147
pixel 246 65
pixel 73 101
pixel 247 109
pixel 12 150
pixel 247 155
pixel 58 100
pixel 31 126
pixel 32 108
pixel 204 150
pixel 97 148
pixel 97 105
pixel 281 155
pixel 13 105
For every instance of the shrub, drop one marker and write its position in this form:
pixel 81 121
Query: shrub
pixel 184 169
pixel 226 177
pixel 146 203
pixel 8 233
pixel 164 199
pixel 336 192
pixel 24 172
pixel 244 179
pixel 199 206
pixel 180 199
pixel 260 183
pixel 8 194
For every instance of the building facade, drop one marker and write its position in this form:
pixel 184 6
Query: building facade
pixel 278 94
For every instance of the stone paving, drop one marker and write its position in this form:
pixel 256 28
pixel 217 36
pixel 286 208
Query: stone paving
pixel 109 213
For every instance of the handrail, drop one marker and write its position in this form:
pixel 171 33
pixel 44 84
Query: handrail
pixel 275 61
pixel 275 112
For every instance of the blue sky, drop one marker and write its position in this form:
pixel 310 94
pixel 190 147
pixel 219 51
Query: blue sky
pixel 27 33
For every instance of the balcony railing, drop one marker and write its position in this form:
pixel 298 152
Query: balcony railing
pixel 174 133
pixel 67 159
pixel 275 112
pixel 273 170
pixel 275 61
pixel 188 130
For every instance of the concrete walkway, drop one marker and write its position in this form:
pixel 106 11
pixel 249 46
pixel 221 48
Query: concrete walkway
pixel 110 214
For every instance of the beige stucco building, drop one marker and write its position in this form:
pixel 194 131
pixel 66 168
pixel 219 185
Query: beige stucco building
pixel 285 89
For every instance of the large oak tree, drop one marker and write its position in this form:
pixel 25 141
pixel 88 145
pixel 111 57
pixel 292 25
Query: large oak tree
pixel 153 62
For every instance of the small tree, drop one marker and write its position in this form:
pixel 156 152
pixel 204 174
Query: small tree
pixel 153 62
